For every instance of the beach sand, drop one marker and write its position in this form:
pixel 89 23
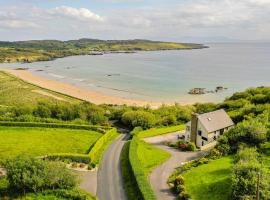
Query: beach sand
pixel 80 93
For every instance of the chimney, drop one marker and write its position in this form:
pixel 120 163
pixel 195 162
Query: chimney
pixel 194 124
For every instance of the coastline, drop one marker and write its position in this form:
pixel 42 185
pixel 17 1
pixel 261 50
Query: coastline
pixel 80 93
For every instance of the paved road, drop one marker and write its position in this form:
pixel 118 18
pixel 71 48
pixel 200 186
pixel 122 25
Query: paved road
pixel 110 185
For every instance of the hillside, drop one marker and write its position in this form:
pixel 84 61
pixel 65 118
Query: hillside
pixel 42 50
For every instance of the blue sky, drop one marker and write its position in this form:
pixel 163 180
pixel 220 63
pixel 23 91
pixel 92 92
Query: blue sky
pixel 170 20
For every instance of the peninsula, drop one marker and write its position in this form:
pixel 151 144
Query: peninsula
pixel 44 50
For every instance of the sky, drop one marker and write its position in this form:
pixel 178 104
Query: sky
pixel 166 20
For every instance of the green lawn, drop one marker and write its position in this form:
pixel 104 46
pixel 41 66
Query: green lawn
pixel 150 156
pixel 42 141
pixel 159 131
pixel 210 181
pixel 16 92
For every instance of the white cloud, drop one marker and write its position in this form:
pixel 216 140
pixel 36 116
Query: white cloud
pixel 82 14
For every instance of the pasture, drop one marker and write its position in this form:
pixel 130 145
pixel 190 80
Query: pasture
pixel 36 141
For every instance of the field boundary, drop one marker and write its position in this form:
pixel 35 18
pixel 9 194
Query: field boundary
pixel 100 129
pixel 142 181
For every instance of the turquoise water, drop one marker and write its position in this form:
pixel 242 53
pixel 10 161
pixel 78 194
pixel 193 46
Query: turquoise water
pixel 164 75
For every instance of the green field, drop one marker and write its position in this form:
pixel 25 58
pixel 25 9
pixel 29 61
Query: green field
pixel 160 131
pixel 150 156
pixel 16 92
pixel 210 181
pixel 43 141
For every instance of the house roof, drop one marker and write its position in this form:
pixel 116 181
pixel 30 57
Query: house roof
pixel 215 120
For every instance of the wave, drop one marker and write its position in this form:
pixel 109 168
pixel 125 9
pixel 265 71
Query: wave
pixel 56 75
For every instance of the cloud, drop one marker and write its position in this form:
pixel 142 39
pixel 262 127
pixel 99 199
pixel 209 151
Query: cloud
pixel 82 14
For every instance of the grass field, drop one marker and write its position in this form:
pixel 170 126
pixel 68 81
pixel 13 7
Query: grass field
pixel 150 156
pixel 16 92
pixel 42 141
pixel 159 131
pixel 210 181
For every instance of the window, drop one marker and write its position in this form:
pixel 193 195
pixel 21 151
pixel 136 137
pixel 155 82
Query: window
pixel 221 131
pixel 204 138
pixel 199 132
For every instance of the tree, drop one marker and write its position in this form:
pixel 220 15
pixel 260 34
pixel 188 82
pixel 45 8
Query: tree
pixel 27 174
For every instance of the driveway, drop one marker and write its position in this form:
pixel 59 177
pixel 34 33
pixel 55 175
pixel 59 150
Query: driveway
pixel 158 177
pixel 109 179
pixel 160 139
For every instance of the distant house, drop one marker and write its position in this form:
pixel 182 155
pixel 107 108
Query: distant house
pixel 205 129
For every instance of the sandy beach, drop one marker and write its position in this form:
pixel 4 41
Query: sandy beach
pixel 80 93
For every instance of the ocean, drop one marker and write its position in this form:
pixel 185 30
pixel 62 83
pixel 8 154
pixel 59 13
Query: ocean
pixel 164 76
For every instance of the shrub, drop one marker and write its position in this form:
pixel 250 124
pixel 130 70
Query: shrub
pixel 214 154
pixel 136 130
pixel 79 158
pixel 179 180
pixel 26 174
pixel 184 196
pixel 191 146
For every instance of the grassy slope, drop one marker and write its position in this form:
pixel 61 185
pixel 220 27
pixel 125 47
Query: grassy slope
pixel 15 92
pixel 210 181
pixel 130 183
pixel 150 156
pixel 159 131
pixel 42 141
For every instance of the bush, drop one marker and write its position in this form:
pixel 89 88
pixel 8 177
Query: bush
pixel 79 158
pixel 136 130
pixel 73 194
pixel 214 154
pixel 26 174
pixel 184 196
pixel 191 147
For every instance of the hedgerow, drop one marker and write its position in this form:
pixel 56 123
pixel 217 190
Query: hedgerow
pixel 101 145
pixel 100 129
pixel 146 191
pixel 68 157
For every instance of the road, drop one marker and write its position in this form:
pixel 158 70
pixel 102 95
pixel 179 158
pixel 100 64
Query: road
pixel 110 185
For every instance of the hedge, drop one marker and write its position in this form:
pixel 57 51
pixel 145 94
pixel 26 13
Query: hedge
pixel 146 191
pixel 100 129
pixel 101 145
pixel 79 158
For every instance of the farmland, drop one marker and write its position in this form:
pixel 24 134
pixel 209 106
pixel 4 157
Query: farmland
pixel 42 141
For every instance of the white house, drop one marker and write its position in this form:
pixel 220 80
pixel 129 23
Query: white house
pixel 205 129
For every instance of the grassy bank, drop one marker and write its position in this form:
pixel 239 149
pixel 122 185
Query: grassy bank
pixel 210 181
pixel 160 131
pixel 16 92
pixel 43 141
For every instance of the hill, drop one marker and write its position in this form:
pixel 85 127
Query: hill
pixel 42 50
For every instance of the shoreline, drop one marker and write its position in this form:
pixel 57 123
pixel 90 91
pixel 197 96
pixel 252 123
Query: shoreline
pixel 81 93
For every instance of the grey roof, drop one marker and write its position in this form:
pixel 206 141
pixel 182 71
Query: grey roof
pixel 215 120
